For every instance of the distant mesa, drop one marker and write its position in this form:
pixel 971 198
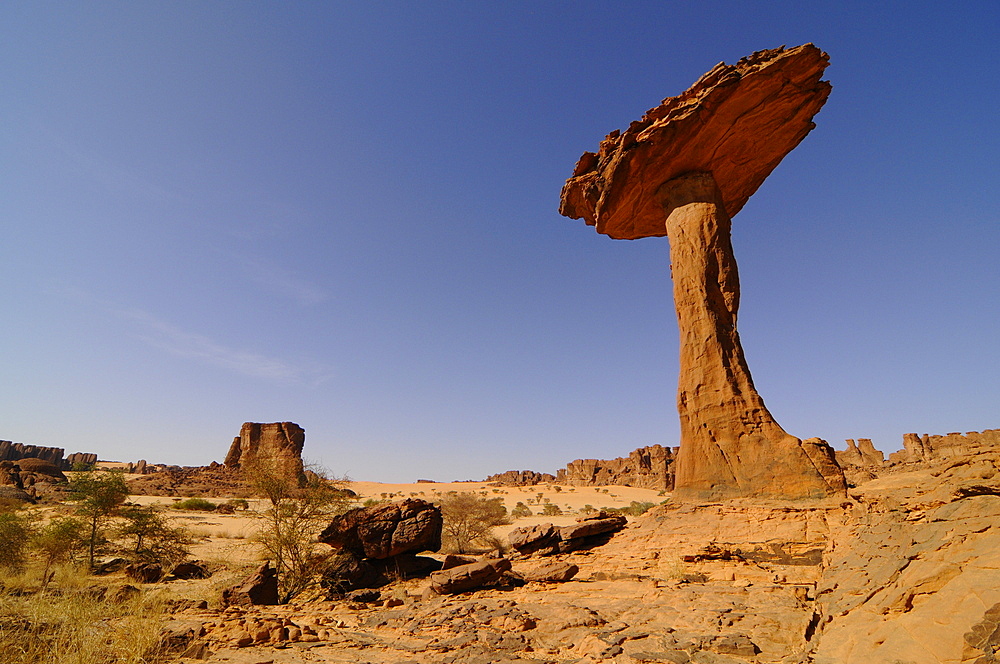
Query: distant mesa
pixel 683 171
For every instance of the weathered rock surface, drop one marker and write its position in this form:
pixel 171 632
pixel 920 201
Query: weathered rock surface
pixel 277 446
pixel 683 171
pixel 905 569
pixel 928 448
pixel 84 458
pixel 386 530
pixel 646 468
pixel 261 587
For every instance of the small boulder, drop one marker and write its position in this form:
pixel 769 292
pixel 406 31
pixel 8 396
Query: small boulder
pixel 191 570
pixel 260 588
pixel 144 572
pixel 344 572
pixel 469 577
pixel 554 572
pixel 542 538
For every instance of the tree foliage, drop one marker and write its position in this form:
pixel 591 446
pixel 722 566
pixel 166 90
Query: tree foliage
pixel 151 538
pixel 15 533
pixel 100 496
pixel 469 519
pixel 299 510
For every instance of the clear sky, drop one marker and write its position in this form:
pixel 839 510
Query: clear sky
pixel 345 214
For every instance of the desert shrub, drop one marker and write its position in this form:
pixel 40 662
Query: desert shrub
pixel 83 467
pixel 551 509
pixel 469 518
pixel 15 533
pixel 195 505
pixel 150 538
pixel 635 508
pixel 99 496
pixel 587 509
pixel 289 527
pixel 58 541
pixel 520 511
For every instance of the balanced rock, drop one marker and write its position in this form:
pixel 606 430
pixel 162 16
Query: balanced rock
pixel 386 530
pixel 276 446
pixel 683 171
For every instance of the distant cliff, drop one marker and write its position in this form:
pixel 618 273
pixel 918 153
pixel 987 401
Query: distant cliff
pixel 646 468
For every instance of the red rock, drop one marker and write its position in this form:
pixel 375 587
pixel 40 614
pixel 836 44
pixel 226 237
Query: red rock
pixel 260 588
pixel 277 445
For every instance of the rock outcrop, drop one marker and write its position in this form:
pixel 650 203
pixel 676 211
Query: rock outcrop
pixel 933 447
pixel 276 446
pixel 83 458
pixel 520 478
pixel 469 577
pixel 10 451
pixel 684 170
pixel 646 468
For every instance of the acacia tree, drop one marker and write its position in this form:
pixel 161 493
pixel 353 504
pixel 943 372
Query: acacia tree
pixel 154 539
pixel 56 542
pixel 299 510
pixel 100 496
pixel 469 518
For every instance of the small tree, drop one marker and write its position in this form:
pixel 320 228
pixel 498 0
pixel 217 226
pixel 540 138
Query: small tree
pixel 551 509
pixel 154 540
pixel 57 542
pixel 100 497
pixel 520 511
pixel 15 533
pixel 469 518
pixel 300 509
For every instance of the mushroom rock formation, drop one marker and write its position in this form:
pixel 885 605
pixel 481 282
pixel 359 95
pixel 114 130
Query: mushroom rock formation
pixel 683 171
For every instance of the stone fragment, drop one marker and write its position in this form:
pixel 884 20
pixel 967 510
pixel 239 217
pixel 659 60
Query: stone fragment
pixel 386 530
pixel 554 572
pixel 540 538
pixel 684 170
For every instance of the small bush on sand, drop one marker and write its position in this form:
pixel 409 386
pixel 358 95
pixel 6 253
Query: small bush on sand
pixel 195 505
pixel 520 511
pixel 149 538
pixel 551 509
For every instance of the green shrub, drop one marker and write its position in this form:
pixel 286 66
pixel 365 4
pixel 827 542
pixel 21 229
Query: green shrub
pixel 15 533
pixel 195 504
pixel 520 511
pixel 551 509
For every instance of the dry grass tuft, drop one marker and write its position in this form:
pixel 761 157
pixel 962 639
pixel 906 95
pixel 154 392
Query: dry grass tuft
pixel 76 624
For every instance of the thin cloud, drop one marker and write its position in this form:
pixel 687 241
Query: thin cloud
pixel 171 339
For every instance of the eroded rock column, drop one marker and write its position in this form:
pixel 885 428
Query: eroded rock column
pixel 730 444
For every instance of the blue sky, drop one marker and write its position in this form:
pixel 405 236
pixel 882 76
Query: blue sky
pixel 345 215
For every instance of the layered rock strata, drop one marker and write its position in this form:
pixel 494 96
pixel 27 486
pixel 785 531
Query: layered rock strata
pixel 683 171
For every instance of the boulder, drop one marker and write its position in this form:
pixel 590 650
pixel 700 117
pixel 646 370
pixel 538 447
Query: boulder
pixel 469 577
pixel 386 530
pixel 45 470
pixel 191 570
pixel 542 538
pixel 554 572
pixel 260 588
pixel 344 571
pixel 145 572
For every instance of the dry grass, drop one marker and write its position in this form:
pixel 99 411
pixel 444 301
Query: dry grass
pixel 73 624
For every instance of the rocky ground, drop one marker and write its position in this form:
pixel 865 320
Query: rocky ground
pixel 907 569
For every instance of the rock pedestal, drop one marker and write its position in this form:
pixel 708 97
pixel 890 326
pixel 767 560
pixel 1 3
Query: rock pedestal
pixel 276 445
pixel 730 444
pixel 684 170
